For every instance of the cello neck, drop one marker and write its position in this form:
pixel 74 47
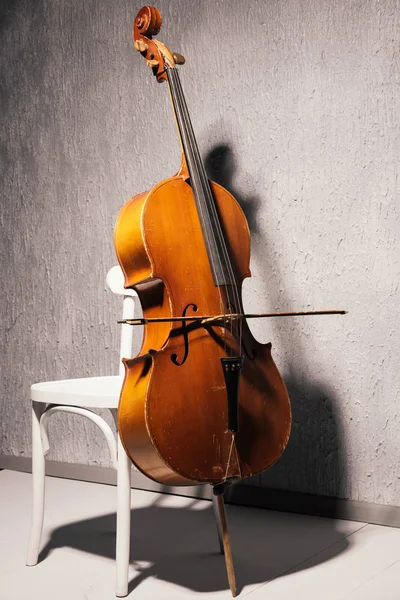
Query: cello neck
pixel 219 260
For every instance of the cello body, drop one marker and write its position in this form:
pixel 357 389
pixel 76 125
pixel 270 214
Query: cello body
pixel 173 410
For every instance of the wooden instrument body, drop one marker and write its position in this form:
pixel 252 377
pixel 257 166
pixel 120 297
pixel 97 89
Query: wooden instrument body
pixel 173 417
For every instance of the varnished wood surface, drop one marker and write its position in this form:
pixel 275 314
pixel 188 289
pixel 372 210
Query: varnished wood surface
pixel 173 419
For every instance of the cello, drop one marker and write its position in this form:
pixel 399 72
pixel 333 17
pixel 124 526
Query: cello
pixel 203 402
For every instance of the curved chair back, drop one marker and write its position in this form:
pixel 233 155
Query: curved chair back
pixel 115 282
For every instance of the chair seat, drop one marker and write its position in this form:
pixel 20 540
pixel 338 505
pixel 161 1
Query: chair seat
pixel 96 392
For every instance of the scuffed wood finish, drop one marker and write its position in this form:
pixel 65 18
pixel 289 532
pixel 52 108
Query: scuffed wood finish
pixel 133 426
pixel 173 419
pixel 131 252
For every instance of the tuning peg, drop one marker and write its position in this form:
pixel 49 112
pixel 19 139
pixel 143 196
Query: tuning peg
pixel 178 58
pixel 152 63
pixel 140 45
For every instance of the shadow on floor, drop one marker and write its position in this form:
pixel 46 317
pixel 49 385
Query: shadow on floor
pixel 180 544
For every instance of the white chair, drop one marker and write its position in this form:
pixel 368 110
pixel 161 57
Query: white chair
pixel 79 396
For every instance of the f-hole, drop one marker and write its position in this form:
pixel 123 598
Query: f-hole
pixel 174 357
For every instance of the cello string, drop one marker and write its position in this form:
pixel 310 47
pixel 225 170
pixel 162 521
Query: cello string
pixel 229 277
pixel 186 142
pixel 193 167
pixel 212 207
pixel 197 184
pixel 202 202
pixel 203 183
pixel 204 209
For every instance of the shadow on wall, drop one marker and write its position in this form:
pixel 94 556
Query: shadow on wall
pixel 180 544
pixel 314 460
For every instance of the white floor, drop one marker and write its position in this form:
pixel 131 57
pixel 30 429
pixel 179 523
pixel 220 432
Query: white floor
pixel 175 549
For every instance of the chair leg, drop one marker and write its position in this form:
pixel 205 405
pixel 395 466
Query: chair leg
pixel 123 521
pixel 38 473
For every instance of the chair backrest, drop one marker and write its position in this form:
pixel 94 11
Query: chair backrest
pixel 115 282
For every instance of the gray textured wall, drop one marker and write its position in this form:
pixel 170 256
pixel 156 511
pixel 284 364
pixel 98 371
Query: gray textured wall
pixel 296 109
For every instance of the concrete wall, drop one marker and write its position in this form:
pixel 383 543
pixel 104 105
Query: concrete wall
pixel 296 106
